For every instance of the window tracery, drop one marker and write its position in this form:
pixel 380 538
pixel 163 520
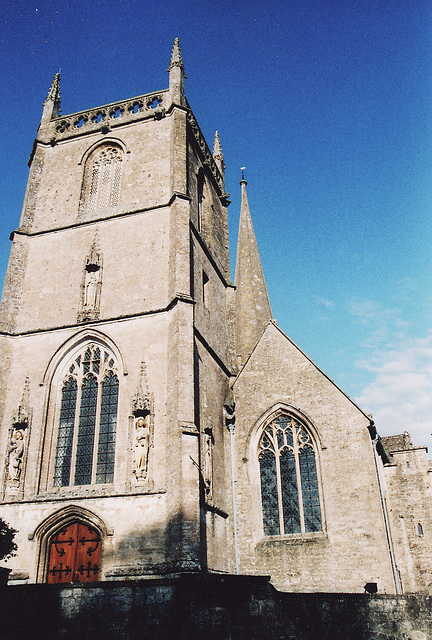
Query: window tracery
pixel 102 179
pixel 88 417
pixel 289 480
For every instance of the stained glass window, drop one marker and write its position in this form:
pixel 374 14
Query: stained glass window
pixel 87 422
pixel 289 481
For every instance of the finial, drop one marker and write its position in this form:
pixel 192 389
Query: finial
pixel 176 57
pixel 242 169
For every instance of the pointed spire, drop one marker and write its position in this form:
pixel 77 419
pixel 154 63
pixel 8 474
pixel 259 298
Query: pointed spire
pixel 176 75
pixel 218 155
pixel 253 310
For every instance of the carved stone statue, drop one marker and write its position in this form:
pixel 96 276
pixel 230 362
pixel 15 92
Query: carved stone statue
pixel 142 446
pixel 91 282
pixel 16 450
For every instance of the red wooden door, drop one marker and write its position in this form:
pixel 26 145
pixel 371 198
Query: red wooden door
pixel 74 554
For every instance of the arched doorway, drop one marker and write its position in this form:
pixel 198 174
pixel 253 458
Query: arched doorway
pixel 74 554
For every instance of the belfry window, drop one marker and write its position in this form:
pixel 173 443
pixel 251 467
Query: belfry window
pixel 87 420
pixel 102 179
pixel 289 481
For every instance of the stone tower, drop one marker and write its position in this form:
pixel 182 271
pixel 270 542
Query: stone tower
pixel 115 353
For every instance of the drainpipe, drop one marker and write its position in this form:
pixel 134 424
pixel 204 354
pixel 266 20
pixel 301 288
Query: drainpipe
pixel 229 412
pixel 375 440
pixel 234 500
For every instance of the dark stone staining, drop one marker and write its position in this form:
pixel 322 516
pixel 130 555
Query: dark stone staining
pixel 13 287
pixel 35 179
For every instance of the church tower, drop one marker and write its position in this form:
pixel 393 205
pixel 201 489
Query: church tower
pixel 155 420
pixel 115 349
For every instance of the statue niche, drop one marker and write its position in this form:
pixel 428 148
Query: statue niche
pixel 142 430
pixel 17 443
pixel 142 446
pixel 91 284
pixel 16 451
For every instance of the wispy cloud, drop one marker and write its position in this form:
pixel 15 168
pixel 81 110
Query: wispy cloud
pixel 328 304
pixel 400 393
pixel 379 325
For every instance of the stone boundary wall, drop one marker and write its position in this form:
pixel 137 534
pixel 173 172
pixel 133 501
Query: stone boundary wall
pixel 213 607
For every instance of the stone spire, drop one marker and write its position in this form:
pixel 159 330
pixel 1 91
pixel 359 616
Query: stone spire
pixel 253 310
pixel 176 75
pixel 51 106
pixel 218 155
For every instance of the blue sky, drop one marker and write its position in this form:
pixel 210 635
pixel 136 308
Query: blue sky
pixel 328 104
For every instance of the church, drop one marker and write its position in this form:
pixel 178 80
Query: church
pixel 155 419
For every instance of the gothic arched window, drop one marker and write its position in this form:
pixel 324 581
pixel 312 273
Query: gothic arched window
pixel 101 187
pixel 289 481
pixel 88 418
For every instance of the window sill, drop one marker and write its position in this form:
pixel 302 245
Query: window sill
pixel 295 538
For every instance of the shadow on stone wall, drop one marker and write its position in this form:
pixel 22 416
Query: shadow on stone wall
pixel 158 550
pixel 207 606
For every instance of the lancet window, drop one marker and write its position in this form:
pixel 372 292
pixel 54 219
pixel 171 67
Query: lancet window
pixel 102 179
pixel 289 481
pixel 87 419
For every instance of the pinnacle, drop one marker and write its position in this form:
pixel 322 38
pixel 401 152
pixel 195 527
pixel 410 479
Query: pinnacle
pixel 54 92
pixel 217 149
pixel 26 392
pixel 176 57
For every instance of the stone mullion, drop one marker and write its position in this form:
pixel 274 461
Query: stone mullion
pixel 296 434
pixel 97 428
pixel 278 482
pixel 80 380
